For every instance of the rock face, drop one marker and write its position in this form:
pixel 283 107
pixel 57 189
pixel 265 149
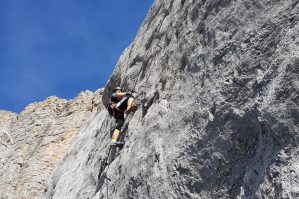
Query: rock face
pixel 32 142
pixel 219 117
pixel 218 85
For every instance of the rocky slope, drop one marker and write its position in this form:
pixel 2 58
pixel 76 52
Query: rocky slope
pixel 218 85
pixel 32 142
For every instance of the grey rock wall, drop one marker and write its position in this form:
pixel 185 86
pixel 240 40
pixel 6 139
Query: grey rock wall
pixel 218 85
pixel 32 142
pixel 217 81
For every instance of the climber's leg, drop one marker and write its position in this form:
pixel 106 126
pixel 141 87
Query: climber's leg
pixel 116 133
pixel 131 105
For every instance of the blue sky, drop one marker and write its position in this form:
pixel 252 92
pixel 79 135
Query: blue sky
pixel 62 47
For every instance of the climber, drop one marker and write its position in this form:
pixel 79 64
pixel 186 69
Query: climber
pixel 121 103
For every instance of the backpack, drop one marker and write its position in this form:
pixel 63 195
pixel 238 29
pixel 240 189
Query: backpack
pixel 110 109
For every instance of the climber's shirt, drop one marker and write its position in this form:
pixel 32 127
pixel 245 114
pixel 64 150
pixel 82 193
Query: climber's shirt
pixel 119 104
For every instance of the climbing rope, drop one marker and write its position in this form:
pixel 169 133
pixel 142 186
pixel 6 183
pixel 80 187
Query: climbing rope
pixel 104 165
pixel 106 177
pixel 107 181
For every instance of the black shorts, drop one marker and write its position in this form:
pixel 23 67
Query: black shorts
pixel 119 123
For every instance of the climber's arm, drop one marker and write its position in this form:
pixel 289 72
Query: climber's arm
pixel 119 94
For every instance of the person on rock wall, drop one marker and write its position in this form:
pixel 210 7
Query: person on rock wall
pixel 120 103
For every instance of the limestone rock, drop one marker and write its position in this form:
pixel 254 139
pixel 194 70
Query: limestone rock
pixel 218 85
pixel 217 81
pixel 34 140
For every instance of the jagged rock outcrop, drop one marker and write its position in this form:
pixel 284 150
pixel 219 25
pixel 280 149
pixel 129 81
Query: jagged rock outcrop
pixel 218 85
pixel 32 142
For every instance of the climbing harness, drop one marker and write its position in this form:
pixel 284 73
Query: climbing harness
pixel 111 106
pixel 121 101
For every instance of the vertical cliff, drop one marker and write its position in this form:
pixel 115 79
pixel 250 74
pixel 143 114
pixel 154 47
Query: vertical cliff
pixel 218 85
pixel 217 82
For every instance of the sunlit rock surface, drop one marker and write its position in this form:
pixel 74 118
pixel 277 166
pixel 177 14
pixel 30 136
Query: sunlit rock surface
pixel 32 142
pixel 218 83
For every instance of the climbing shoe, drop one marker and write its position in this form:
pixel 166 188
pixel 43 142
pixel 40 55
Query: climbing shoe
pixel 116 143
